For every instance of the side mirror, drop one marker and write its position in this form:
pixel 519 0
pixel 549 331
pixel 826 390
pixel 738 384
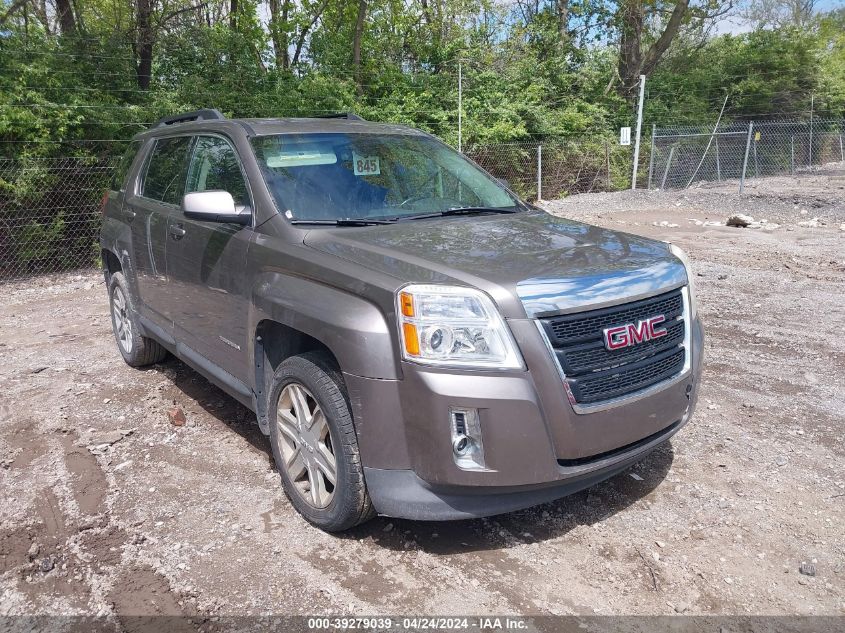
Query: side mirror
pixel 214 206
pixel 504 183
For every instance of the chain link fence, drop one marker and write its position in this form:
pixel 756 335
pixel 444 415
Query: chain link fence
pixel 49 214
pixel 556 168
pixel 49 207
pixel 682 156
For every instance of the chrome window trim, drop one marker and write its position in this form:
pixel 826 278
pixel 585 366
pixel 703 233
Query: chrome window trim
pixel 651 390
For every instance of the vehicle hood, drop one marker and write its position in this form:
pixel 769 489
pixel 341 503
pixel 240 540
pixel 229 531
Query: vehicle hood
pixel 531 263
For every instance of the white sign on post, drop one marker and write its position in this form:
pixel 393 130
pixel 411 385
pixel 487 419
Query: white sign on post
pixel 624 136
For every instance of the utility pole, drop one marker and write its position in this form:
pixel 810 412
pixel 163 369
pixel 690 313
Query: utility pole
pixel 539 173
pixel 460 104
pixel 745 160
pixel 718 164
pixel 666 169
pixel 792 155
pixel 639 129
pixel 651 153
pixel 812 106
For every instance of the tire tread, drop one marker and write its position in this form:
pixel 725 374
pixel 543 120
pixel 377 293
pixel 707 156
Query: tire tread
pixel 145 351
pixel 324 374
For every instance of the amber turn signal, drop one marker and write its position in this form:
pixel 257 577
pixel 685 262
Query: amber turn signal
pixel 412 341
pixel 406 300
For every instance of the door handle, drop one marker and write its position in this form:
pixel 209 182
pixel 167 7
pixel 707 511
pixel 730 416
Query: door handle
pixel 130 214
pixel 176 231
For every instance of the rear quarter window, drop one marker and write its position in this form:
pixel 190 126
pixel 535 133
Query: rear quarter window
pixel 121 171
pixel 164 179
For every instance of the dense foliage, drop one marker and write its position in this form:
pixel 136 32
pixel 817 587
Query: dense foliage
pixel 102 69
pixel 80 77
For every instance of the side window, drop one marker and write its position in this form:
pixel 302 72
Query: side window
pixel 122 169
pixel 215 166
pixel 165 177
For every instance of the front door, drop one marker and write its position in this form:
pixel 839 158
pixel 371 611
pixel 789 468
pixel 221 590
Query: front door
pixel 206 262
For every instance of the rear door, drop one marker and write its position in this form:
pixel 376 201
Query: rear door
pixel 158 194
pixel 116 233
pixel 206 261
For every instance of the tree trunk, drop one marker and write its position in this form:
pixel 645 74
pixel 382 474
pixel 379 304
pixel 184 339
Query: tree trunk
pixel 144 43
pixel 305 30
pixel 43 16
pixel 562 21
pixel 278 31
pixel 630 45
pixel 356 42
pixel 632 61
pixel 233 14
pixel 16 6
pixel 67 21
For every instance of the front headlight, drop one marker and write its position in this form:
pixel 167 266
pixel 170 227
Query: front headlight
pixel 680 254
pixel 454 326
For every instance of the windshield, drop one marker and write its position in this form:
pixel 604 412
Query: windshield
pixel 326 177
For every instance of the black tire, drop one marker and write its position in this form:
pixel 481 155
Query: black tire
pixel 350 504
pixel 136 350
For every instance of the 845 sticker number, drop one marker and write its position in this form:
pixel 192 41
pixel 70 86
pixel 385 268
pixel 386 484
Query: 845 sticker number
pixel 365 165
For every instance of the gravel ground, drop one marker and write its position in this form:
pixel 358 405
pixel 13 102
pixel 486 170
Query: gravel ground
pixel 107 508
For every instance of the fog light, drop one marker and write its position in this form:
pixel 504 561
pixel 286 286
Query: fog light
pixel 467 447
pixel 461 445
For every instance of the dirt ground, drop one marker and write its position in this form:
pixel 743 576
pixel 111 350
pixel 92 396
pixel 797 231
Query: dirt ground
pixel 107 508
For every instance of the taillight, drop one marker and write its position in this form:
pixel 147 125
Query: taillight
pixel 103 203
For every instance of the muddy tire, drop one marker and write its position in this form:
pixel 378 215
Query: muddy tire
pixel 314 443
pixel 136 350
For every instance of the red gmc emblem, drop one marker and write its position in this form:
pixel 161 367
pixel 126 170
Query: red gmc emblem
pixel 630 334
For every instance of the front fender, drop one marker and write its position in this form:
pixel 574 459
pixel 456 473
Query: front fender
pixel 354 329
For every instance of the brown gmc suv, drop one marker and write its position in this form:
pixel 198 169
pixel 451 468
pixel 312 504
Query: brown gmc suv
pixel 415 340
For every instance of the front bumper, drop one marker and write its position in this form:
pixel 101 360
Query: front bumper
pixel 400 493
pixel 536 447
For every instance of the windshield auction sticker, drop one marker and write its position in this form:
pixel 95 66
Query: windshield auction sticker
pixel 365 165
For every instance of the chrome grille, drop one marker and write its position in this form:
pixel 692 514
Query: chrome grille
pixel 595 374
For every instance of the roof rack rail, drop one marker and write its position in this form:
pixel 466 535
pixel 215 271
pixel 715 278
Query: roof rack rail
pixel 349 116
pixel 197 115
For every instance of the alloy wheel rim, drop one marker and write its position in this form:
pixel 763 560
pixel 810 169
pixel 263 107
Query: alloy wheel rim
pixel 122 324
pixel 305 445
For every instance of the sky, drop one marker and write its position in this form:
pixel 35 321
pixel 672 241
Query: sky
pixel 734 24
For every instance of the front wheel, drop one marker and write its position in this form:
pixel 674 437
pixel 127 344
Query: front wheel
pixel 314 443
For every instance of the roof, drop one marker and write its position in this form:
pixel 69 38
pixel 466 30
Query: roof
pixel 207 120
pixel 263 127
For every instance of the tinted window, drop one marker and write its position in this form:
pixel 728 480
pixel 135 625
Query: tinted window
pixel 331 176
pixel 165 177
pixel 215 167
pixel 118 180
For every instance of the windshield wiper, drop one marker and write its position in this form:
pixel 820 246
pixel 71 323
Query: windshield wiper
pixel 418 216
pixel 456 211
pixel 344 222
pixel 468 210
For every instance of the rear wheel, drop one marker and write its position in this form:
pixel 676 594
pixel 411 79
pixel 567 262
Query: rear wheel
pixel 136 350
pixel 314 444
